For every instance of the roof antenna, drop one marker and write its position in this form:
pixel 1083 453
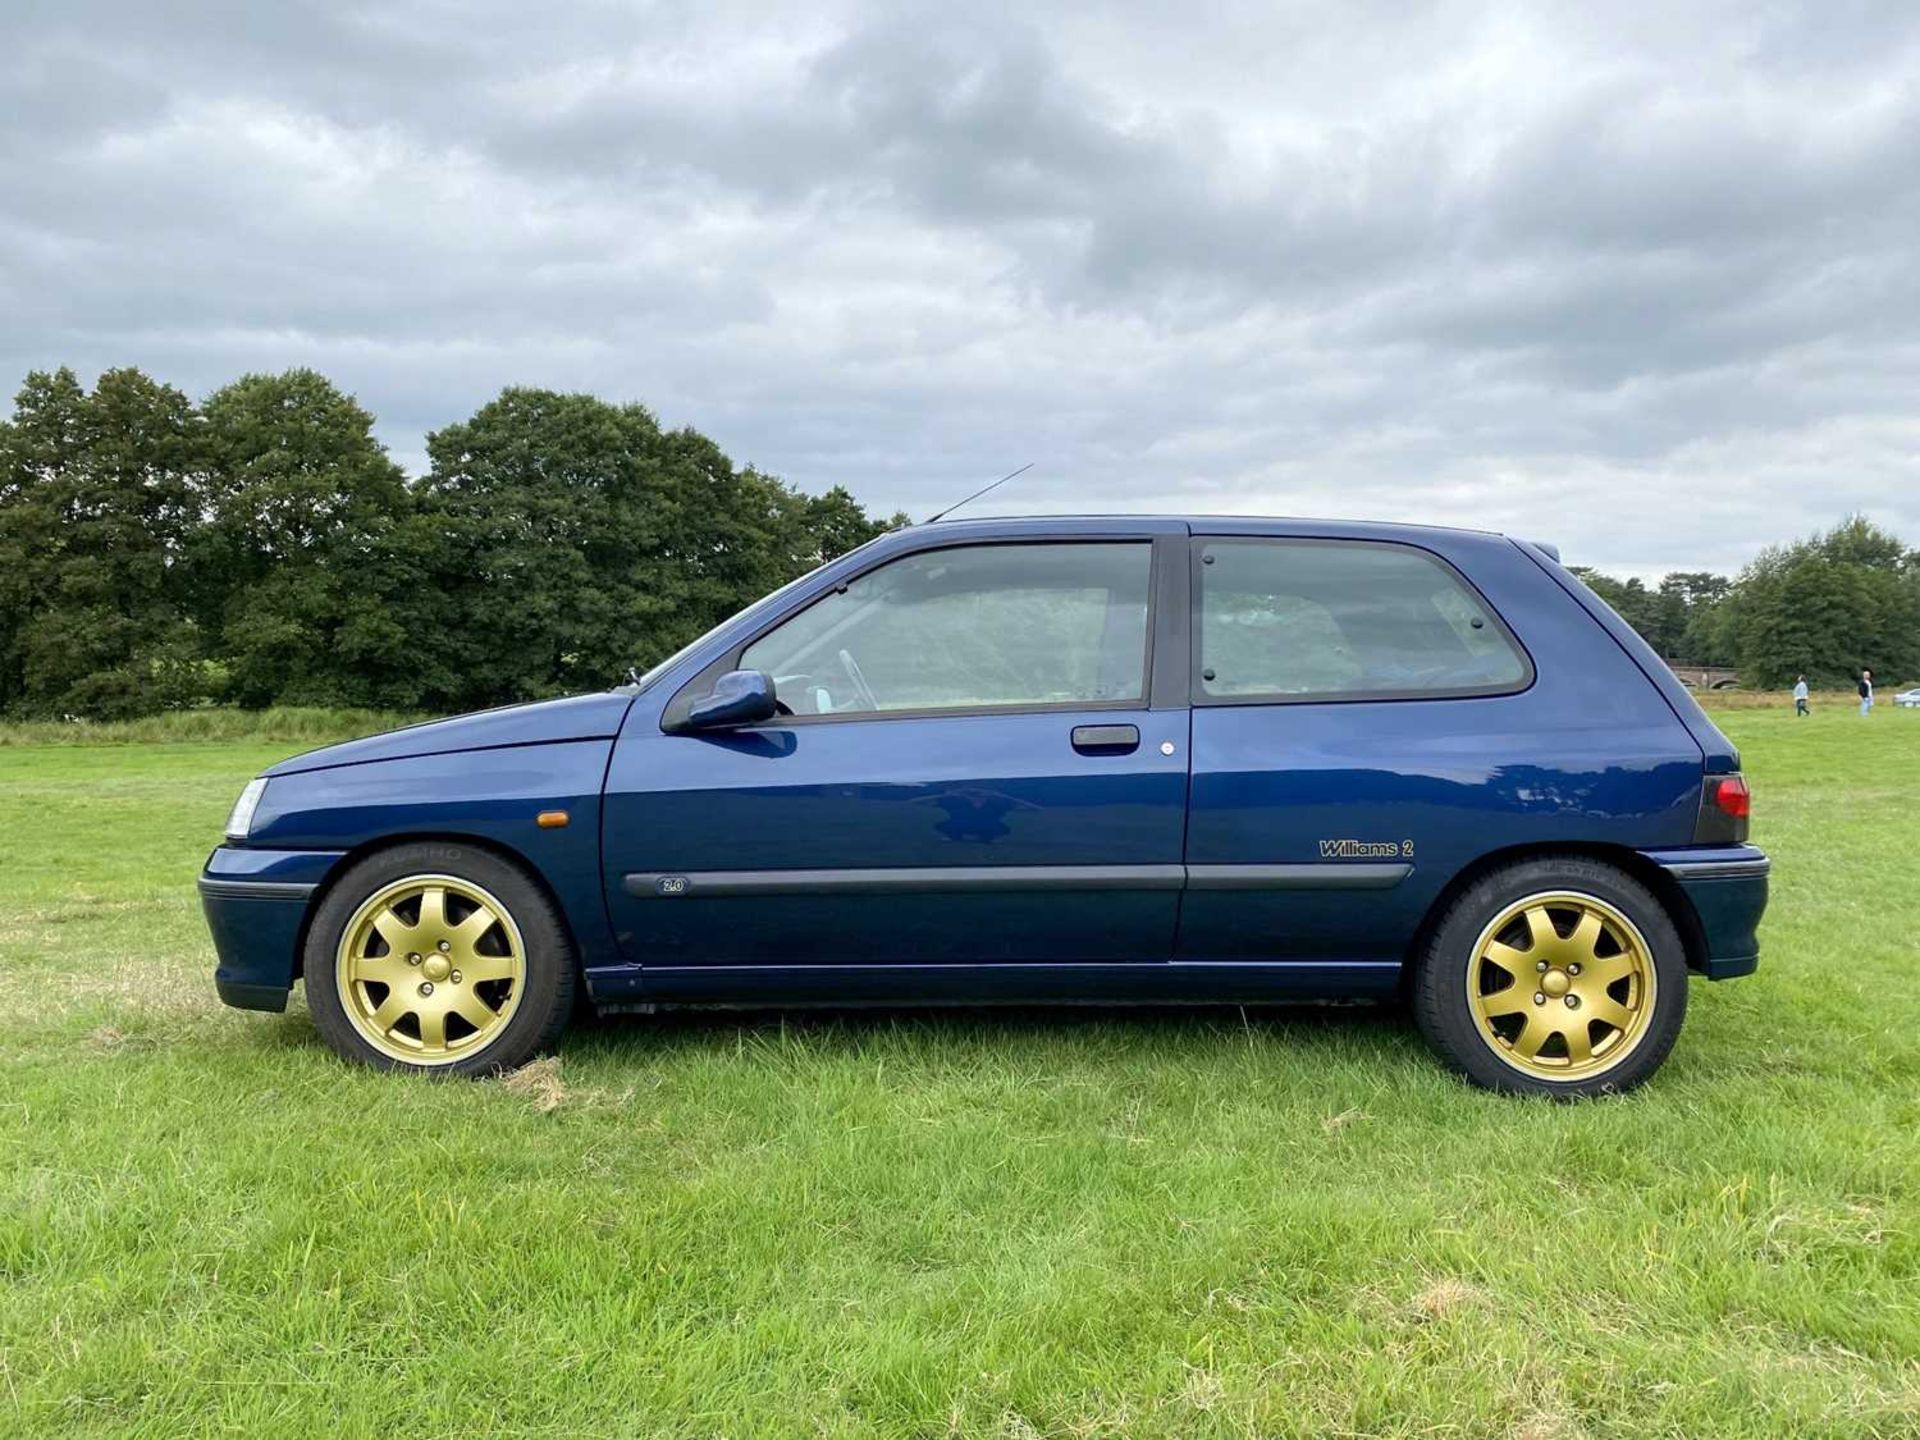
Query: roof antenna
pixel 978 493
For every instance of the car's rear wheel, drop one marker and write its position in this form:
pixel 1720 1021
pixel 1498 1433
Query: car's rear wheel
pixel 438 957
pixel 1561 976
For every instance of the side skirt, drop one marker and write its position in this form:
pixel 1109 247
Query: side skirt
pixel 1190 981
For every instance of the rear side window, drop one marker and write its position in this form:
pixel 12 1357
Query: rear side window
pixel 978 627
pixel 1344 620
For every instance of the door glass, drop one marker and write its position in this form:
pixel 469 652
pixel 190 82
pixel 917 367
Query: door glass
pixel 1345 619
pixel 969 628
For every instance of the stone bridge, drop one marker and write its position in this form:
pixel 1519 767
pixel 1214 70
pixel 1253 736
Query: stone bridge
pixel 1706 677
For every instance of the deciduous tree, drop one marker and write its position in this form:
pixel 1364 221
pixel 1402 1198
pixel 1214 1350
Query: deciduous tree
pixel 574 539
pixel 1826 606
pixel 300 578
pixel 95 509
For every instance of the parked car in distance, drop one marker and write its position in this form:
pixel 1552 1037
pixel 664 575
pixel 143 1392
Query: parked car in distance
pixel 1045 760
pixel 1908 699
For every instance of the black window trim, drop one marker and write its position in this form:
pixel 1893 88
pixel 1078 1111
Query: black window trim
pixel 1164 672
pixel 1197 547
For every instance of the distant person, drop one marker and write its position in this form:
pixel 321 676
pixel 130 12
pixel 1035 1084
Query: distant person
pixel 1866 692
pixel 1800 696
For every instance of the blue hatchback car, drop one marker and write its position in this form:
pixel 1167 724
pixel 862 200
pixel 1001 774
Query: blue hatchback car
pixel 1090 759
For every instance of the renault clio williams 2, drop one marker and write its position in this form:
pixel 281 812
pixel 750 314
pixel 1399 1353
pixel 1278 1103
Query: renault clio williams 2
pixel 1044 760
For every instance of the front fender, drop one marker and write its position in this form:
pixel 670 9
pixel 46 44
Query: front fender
pixel 492 796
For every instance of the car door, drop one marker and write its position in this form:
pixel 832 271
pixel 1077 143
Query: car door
pixel 974 772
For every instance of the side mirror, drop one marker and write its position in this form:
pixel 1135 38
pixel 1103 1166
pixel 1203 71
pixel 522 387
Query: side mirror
pixel 740 697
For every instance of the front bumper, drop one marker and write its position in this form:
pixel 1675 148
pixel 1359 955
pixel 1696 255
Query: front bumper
pixel 1726 888
pixel 256 906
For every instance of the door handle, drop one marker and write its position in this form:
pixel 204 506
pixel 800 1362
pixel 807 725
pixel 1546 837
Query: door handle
pixel 1106 739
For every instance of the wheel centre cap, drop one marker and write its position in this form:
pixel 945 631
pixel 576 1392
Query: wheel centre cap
pixel 438 967
pixel 1555 983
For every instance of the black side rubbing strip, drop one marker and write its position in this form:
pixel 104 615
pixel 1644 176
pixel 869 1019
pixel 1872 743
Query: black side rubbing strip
pixel 1720 869
pixel 253 889
pixel 960 879
pixel 948 879
pixel 1296 877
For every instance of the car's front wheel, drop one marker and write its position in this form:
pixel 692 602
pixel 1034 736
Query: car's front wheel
pixel 438 957
pixel 1560 976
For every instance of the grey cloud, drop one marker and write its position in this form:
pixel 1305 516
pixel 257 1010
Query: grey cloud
pixel 1637 273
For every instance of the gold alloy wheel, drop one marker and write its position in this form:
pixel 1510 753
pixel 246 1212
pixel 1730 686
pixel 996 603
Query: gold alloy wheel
pixel 1562 985
pixel 430 969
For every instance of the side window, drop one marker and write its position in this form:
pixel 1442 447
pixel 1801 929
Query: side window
pixel 969 628
pixel 1338 619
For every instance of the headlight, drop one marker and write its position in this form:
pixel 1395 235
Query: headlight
pixel 241 820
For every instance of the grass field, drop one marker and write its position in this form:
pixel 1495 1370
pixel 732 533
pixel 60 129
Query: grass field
pixel 1030 1224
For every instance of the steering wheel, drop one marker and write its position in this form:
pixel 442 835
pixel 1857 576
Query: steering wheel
pixel 867 697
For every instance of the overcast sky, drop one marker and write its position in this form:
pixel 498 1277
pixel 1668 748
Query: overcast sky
pixel 1642 279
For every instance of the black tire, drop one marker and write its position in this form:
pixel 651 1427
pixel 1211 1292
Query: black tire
pixel 546 987
pixel 1445 1013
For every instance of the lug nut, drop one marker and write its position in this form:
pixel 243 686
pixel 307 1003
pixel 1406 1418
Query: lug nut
pixel 413 959
pixel 446 945
pixel 1541 966
pixel 1538 998
pixel 1573 1002
pixel 426 987
pixel 455 977
pixel 1573 969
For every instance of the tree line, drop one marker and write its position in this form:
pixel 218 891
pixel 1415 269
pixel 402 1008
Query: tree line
pixel 260 547
pixel 1823 607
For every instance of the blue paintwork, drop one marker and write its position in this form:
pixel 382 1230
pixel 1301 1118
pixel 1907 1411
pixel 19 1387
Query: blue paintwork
pixel 257 941
pixel 578 717
pixel 295 867
pixel 1179 981
pixel 1729 913
pixel 1603 750
pixel 489 795
pixel 740 697
pixel 1720 756
pixel 1725 906
pixel 979 790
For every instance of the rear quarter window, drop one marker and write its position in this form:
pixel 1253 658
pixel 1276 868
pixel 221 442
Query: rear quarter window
pixel 1295 620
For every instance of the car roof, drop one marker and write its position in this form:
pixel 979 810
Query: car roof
pixel 1076 524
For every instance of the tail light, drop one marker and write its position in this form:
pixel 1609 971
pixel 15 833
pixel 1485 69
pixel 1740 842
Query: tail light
pixel 1726 805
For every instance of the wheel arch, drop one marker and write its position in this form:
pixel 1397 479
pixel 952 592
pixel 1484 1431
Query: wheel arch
pixel 1623 858
pixel 498 849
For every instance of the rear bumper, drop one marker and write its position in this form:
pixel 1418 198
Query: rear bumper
pixel 1726 888
pixel 256 907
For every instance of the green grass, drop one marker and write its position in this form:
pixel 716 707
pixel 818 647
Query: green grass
pixel 1028 1224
